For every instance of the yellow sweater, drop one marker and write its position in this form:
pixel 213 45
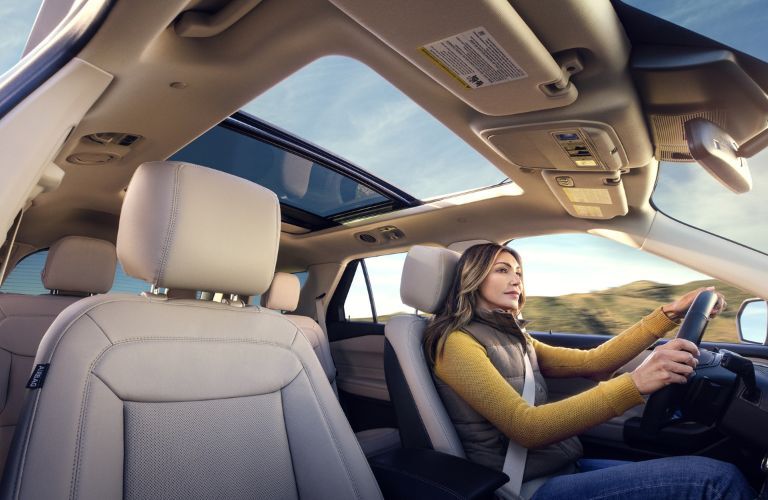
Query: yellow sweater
pixel 466 368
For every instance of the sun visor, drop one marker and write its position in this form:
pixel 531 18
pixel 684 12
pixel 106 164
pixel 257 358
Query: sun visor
pixel 588 195
pixel 482 51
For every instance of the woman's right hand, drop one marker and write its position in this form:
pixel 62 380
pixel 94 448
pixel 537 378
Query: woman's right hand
pixel 671 363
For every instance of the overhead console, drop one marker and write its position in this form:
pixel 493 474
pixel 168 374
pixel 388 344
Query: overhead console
pixel 567 145
pixel 483 52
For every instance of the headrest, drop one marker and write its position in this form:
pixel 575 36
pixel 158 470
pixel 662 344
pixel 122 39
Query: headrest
pixel 80 264
pixel 195 228
pixel 427 275
pixel 283 293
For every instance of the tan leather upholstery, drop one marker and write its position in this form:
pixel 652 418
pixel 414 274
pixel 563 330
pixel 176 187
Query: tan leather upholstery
pixel 80 264
pixel 169 238
pixel 283 293
pixel 427 275
pixel 25 318
pixel 147 397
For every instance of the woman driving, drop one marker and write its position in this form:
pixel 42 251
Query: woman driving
pixel 477 347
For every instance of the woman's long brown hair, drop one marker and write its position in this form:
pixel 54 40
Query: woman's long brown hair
pixel 460 303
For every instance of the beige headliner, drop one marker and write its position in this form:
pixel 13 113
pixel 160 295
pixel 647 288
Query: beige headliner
pixel 138 45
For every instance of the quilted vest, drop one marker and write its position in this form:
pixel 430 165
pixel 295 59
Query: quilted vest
pixel 483 443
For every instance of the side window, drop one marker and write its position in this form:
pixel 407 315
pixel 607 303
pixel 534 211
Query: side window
pixel 126 284
pixel 383 301
pixel 25 276
pixel 588 284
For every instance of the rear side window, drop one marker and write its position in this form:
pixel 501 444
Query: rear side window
pixel 25 278
pixel 382 274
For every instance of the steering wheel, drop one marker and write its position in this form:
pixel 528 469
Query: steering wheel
pixel 662 405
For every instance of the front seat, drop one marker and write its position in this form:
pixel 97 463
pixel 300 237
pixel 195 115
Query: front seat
pixel 76 267
pixel 150 397
pixel 422 419
pixel 283 295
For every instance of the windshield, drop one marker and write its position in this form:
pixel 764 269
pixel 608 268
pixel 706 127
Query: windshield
pixel 736 23
pixel 346 108
pixel 686 191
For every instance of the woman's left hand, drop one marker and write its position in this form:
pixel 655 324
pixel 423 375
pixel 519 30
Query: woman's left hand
pixel 678 308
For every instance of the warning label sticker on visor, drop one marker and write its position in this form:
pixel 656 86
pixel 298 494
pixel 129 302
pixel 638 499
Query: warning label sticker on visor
pixel 475 59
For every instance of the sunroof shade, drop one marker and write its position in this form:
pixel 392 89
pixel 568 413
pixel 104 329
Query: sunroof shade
pixel 297 181
pixel 346 108
pixel 736 23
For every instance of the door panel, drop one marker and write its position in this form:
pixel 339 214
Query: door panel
pixel 360 366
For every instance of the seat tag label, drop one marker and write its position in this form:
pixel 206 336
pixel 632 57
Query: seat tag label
pixel 37 379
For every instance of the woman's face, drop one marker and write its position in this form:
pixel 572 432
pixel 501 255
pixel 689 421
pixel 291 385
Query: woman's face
pixel 502 287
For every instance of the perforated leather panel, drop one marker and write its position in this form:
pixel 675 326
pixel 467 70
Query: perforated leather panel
pixel 228 448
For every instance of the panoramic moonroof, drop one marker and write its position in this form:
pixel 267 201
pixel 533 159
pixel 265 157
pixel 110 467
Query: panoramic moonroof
pixel 346 108
pixel 297 181
pixel 736 23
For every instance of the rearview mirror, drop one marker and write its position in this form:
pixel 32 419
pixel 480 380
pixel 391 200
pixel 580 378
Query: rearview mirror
pixel 752 321
pixel 717 152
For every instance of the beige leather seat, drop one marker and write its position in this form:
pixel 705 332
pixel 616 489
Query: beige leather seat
pixel 75 267
pixel 283 295
pixel 149 397
pixel 421 415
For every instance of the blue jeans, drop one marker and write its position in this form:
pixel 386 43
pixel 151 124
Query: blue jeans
pixel 677 478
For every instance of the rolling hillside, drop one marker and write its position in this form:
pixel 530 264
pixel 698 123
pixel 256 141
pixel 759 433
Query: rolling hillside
pixel 612 310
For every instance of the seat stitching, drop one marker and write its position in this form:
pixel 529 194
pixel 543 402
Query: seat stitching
pixel 75 478
pixel 288 437
pixel 171 224
pixel 429 402
pixel 330 430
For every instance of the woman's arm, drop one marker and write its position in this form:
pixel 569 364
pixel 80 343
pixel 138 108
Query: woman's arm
pixel 599 363
pixel 466 368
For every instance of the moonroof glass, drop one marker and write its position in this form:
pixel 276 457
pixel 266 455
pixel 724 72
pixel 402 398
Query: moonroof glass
pixel 736 23
pixel 346 108
pixel 298 182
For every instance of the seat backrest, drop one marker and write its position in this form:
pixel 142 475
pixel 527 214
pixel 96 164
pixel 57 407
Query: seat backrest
pixel 76 266
pixel 422 418
pixel 150 397
pixel 283 295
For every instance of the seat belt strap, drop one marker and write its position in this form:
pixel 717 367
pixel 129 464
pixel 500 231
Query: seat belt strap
pixel 320 313
pixel 514 462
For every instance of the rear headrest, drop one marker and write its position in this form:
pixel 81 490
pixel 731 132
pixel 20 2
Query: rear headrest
pixel 195 228
pixel 427 275
pixel 283 293
pixel 80 264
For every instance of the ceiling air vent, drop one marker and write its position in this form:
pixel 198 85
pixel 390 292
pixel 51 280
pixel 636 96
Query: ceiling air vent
pixel 367 238
pixel 119 138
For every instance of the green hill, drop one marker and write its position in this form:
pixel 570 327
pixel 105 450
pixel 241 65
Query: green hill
pixel 612 310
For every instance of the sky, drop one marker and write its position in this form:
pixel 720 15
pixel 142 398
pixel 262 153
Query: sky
pixel 16 18
pixel 345 107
